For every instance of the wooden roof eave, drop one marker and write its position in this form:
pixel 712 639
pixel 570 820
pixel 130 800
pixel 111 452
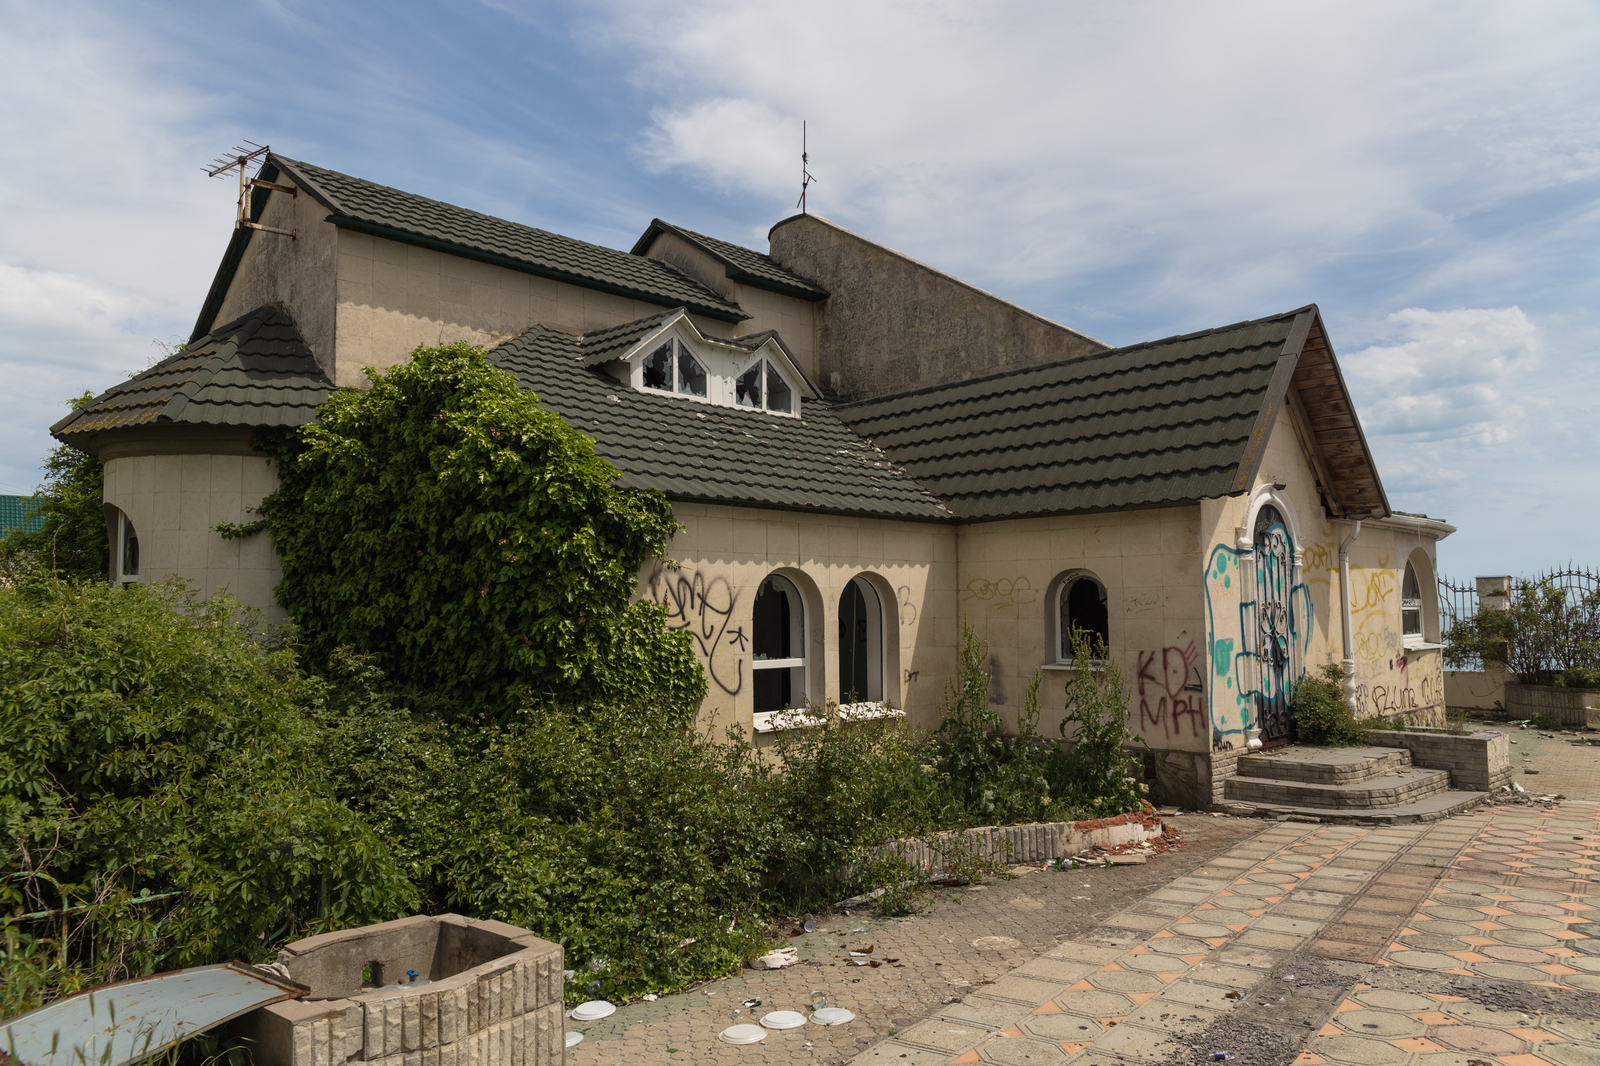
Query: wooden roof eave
pixel 1338 446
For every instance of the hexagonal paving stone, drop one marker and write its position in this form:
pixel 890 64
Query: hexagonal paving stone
pixel 1386 999
pixel 1509 971
pixel 1564 1054
pixel 1378 1023
pixel 1246 956
pixel 1457 899
pixel 1575 1028
pixel 1094 1004
pixel 1062 1028
pixel 1472 887
pixel 1479 1038
pixel 1588 982
pixel 1541 895
pixel 1528 921
pixel 1178 945
pixel 1455 914
pixel 1523 938
pixel 946 1036
pixel 1126 981
pixel 1357 1050
pixel 1201 929
pixel 1257 890
pixel 1424 960
pixel 1477 1014
pixel 1545 910
pixel 1423 924
pixel 1154 963
pixel 1020 1051
pixel 1506 953
pixel 1434 943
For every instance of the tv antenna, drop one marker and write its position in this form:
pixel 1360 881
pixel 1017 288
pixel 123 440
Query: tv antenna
pixel 805 175
pixel 241 159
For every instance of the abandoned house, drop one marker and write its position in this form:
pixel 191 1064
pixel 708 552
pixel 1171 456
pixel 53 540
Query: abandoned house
pixel 862 449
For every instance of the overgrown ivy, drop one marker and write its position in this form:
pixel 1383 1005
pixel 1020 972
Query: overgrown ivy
pixel 475 545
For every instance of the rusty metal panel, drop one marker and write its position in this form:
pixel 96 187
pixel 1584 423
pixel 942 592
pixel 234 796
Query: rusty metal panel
pixel 131 1020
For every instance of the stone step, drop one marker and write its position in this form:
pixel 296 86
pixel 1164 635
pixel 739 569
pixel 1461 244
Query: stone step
pixel 1310 764
pixel 1391 790
pixel 1439 805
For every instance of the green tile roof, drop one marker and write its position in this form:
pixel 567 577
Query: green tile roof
pixel 1163 422
pixel 742 264
pixel 703 452
pixel 14 514
pixel 406 217
pixel 255 371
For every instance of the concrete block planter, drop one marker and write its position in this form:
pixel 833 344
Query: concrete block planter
pixel 1578 708
pixel 492 997
pixel 1035 842
pixel 1480 762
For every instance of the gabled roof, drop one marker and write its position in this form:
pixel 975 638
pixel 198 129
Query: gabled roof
pixel 367 207
pixel 742 264
pixel 1165 422
pixel 707 453
pixel 614 342
pixel 255 371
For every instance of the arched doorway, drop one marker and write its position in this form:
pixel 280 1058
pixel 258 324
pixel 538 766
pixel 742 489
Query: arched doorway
pixel 860 644
pixel 1275 625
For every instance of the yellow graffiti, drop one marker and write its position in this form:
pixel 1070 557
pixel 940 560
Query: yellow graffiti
pixel 1320 554
pixel 1376 591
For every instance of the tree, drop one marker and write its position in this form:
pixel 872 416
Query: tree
pixel 1548 635
pixel 473 544
pixel 71 501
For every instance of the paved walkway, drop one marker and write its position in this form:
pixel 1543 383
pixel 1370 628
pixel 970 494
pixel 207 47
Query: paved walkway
pixel 1473 941
pixel 1564 763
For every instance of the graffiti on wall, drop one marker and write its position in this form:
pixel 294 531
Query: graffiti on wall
pixel 705 608
pixel 1171 692
pixel 908 610
pixel 1002 593
pixel 1237 649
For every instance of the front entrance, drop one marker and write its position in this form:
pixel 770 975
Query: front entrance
pixel 1275 625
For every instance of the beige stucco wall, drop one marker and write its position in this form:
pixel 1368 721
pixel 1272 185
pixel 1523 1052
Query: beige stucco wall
pixel 175 501
pixel 1148 562
pixel 725 553
pixel 295 272
pixel 893 323
pixel 393 297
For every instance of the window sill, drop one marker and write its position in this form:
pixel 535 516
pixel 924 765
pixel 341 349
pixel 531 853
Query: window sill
pixel 1094 667
pixel 779 721
pixel 1410 645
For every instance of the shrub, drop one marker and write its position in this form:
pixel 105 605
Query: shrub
pixel 1549 635
pixel 1095 775
pixel 158 807
pixel 1320 713
pixel 445 523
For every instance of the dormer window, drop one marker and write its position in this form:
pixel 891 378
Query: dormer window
pixel 673 368
pixel 761 380
pixel 756 372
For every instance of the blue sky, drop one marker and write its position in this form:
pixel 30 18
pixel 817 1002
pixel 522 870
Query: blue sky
pixel 1428 173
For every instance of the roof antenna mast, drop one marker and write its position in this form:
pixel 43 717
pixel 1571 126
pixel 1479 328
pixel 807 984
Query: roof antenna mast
pixel 240 159
pixel 805 175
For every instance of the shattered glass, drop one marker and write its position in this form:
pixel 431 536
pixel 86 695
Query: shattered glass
pixel 658 368
pixel 691 375
pixel 779 396
pixel 747 390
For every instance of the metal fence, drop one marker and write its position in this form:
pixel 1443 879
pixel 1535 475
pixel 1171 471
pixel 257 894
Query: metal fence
pixel 1459 600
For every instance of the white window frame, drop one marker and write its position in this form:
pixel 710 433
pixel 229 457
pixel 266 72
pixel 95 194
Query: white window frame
pixel 1063 661
pixel 125 527
pixel 797 636
pixel 766 387
pixel 724 363
pixel 876 635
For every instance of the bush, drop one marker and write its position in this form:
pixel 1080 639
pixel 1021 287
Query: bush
pixel 1095 775
pixel 445 523
pixel 158 806
pixel 1320 713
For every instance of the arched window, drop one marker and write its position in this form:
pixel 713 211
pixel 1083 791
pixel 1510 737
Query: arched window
pixel 1411 604
pixel 778 646
pixel 1081 604
pixel 127 550
pixel 860 644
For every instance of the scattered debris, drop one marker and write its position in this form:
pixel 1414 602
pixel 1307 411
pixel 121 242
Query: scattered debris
pixel 776 959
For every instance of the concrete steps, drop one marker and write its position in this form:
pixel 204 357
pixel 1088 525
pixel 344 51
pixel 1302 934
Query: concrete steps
pixel 1344 784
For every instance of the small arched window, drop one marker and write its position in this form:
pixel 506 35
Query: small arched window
pixel 127 550
pixel 778 646
pixel 1081 605
pixel 1411 604
pixel 860 644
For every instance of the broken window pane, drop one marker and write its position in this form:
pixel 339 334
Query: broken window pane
pixel 1083 606
pixel 777 646
pixel 658 368
pixel 691 375
pixel 130 549
pixel 779 398
pixel 747 390
pixel 1411 604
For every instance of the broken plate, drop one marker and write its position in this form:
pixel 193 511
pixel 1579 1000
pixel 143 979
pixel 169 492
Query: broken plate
pixel 742 1034
pixel 574 1039
pixel 592 1011
pixel 832 1016
pixel 783 1019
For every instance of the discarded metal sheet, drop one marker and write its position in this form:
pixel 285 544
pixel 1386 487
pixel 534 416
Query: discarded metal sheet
pixel 122 1023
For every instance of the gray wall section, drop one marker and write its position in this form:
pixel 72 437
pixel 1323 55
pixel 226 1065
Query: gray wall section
pixel 894 324
pixel 297 272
